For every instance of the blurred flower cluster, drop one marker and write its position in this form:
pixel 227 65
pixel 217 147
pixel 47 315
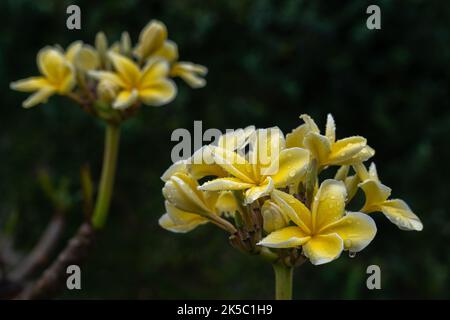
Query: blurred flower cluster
pixel 268 192
pixel 112 81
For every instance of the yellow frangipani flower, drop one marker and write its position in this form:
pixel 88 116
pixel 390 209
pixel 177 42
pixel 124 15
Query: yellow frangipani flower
pixel 150 85
pixel 324 148
pixel 58 77
pixel 270 166
pixel 377 200
pixel 153 43
pixel 326 230
pixel 82 56
pixel 186 206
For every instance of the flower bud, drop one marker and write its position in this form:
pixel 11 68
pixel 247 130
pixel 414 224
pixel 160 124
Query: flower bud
pixel 273 217
pixel 125 44
pixel 107 91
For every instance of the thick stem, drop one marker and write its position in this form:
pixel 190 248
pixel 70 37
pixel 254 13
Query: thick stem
pixel 108 173
pixel 283 281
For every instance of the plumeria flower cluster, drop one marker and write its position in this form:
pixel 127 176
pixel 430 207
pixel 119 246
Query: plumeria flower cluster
pixel 265 189
pixel 112 81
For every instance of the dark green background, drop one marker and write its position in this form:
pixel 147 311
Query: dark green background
pixel 269 62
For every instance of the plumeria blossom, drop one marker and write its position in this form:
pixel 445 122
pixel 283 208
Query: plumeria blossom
pixel 269 190
pixel 107 81
pixel 153 43
pixel 326 230
pixel 57 77
pixel 325 149
pixel 270 165
pixel 187 207
pixel 377 200
pixel 150 85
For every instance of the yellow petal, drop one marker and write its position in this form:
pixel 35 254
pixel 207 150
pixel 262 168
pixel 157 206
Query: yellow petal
pixel 319 146
pixel 30 84
pixel 40 96
pixel 53 64
pixel 292 165
pixel 180 221
pixel 375 193
pixel 191 73
pixel 312 126
pixel 296 137
pixel 289 237
pixel 256 192
pixel 343 151
pixel 236 139
pixel 126 68
pixel 169 51
pixel 178 167
pixel 159 93
pixel 365 154
pixel 351 184
pixel 373 172
pixel 294 209
pixel 330 130
pixel 154 71
pixel 87 58
pixel 322 249
pixel 125 99
pixel 273 217
pixel 182 191
pixel 223 184
pixel 355 228
pixel 342 173
pixel 151 39
pixel 202 164
pixel 400 214
pixel 73 50
pixel 107 76
pixel 329 203
pixel 227 203
pixel 234 164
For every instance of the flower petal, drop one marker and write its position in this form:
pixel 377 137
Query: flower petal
pixel 355 228
pixel 319 146
pixel 223 184
pixel 180 221
pixel 107 76
pixel 227 203
pixel 154 71
pixel 257 192
pixel 234 164
pixel 273 217
pixel 161 92
pixel 169 51
pixel 125 99
pixel 294 209
pixel 40 96
pixel 292 164
pixel 182 191
pixel 30 84
pixel 296 137
pixel 289 237
pixel 329 203
pixel 375 193
pixel 151 39
pixel 126 68
pixel 202 164
pixel 343 151
pixel 179 166
pixel 322 249
pixel 400 214
pixel 52 64
pixel 330 129
pixel 191 73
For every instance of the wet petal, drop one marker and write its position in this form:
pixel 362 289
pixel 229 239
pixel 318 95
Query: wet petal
pixel 125 99
pixel 256 192
pixel 319 146
pixel 375 193
pixel 223 184
pixel 161 92
pixel 126 68
pixel 322 249
pixel 330 130
pixel 344 150
pixel 291 165
pixel 400 214
pixel 289 237
pixel 180 221
pixel 329 203
pixel 294 209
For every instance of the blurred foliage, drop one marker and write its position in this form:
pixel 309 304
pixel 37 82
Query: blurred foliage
pixel 269 62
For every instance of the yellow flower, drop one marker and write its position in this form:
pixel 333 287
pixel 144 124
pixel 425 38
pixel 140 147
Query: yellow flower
pixel 153 43
pixel 186 206
pixel 58 77
pixel 326 230
pixel 150 85
pixel 270 166
pixel 324 148
pixel 377 200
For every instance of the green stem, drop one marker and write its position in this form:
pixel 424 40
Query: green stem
pixel 283 281
pixel 107 179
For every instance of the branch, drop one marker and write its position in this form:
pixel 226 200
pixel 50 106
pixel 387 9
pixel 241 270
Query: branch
pixel 54 277
pixel 39 256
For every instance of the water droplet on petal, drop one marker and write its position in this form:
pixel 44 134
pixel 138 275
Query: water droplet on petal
pixel 352 254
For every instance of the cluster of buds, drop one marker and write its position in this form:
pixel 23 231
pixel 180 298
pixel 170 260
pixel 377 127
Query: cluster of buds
pixel 265 189
pixel 111 82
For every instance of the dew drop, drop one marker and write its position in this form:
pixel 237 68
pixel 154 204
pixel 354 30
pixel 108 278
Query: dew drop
pixel 352 254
